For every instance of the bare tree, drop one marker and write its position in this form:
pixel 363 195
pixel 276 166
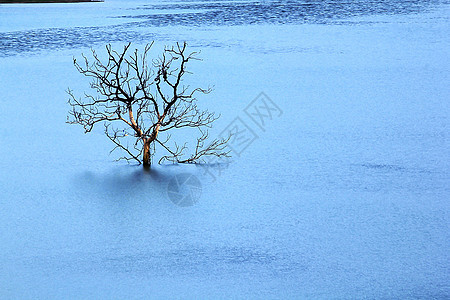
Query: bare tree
pixel 137 99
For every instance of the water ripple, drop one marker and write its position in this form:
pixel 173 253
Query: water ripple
pixel 202 14
pixel 271 12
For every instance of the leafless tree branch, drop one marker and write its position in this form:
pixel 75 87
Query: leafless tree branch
pixel 143 98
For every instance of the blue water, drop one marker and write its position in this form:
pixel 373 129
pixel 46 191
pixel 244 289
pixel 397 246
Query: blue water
pixel 341 193
pixel 201 14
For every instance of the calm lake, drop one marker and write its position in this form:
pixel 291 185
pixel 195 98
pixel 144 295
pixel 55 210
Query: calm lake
pixel 340 189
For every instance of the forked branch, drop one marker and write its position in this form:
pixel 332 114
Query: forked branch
pixel 143 98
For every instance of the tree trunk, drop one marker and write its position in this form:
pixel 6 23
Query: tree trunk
pixel 146 156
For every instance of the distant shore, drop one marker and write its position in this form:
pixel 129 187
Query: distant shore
pixel 48 1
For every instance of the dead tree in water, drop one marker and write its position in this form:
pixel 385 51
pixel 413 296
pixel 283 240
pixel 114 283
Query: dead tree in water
pixel 137 100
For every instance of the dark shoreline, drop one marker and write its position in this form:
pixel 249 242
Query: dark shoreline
pixel 46 1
